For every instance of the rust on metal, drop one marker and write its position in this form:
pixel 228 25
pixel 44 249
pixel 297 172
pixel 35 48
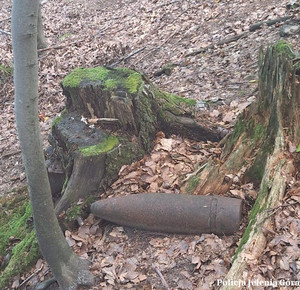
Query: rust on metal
pixel 172 213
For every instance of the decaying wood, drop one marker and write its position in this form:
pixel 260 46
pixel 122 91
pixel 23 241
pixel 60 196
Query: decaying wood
pixel 256 240
pixel 259 145
pixel 111 119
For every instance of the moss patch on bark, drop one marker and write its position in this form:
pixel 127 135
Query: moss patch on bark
pixel 120 78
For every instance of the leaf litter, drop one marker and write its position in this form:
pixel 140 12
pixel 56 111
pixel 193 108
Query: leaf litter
pixel 148 36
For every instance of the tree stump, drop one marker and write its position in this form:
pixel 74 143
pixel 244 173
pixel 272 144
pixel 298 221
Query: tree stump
pixel 257 151
pixel 111 119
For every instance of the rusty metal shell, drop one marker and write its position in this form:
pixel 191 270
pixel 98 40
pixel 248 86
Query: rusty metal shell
pixel 172 213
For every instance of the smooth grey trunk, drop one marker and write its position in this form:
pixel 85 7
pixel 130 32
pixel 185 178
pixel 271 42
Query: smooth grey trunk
pixel 41 39
pixel 69 270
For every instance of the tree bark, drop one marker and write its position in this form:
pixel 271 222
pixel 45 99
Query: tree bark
pixel 69 270
pixel 278 108
pixel 257 152
pixel 41 39
pixel 127 111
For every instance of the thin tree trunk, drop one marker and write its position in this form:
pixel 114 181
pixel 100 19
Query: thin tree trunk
pixel 69 270
pixel 41 39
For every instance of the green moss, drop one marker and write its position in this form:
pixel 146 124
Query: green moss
pixel 105 146
pixel 111 84
pixel 73 212
pixel 259 132
pixel 58 118
pixel 81 210
pixel 127 153
pixel 120 78
pixel 177 100
pixel 258 207
pixel 14 223
pixel 192 184
pixel 80 74
pixel 283 47
pixel 256 171
pixel 168 69
pixel 133 82
pixel 173 103
pixel 239 129
pixel 255 132
pixel 24 256
pixel 264 140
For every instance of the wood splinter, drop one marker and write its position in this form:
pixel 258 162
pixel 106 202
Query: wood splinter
pixel 104 121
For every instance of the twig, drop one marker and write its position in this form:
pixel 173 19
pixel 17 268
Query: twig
pixel 273 210
pixel 268 23
pixel 28 278
pixel 158 47
pixel 128 56
pixel 239 36
pixel 5 32
pixel 105 121
pixel 164 282
pixel 59 46
pixel 8 154
pixel 224 41
pixel 282 205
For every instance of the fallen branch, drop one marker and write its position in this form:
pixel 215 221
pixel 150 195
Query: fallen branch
pixel 128 56
pixel 224 41
pixel 8 154
pixel 274 210
pixel 158 47
pixel 59 46
pixel 30 277
pixel 239 36
pixel 268 23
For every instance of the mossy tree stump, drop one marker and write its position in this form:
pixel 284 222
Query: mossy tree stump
pixel 259 144
pixel 111 119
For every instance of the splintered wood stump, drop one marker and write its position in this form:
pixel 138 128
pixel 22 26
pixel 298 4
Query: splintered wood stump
pixel 111 119
pixel 259 145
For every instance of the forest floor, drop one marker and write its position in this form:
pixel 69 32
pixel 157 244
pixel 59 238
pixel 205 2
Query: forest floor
pixel 147 36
